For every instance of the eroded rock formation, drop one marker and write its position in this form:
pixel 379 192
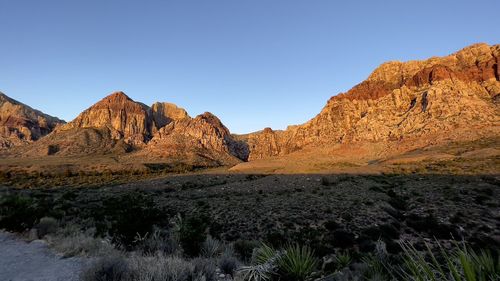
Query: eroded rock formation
pixel 204 136
pixel 400 101
pixel 118 125
pixel 21 124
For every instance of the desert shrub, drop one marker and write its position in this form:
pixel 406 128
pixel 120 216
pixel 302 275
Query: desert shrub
pixel 72 241
pixel 376 269
pixel 47 225
pixel 244 248
pixel 276 238
pixel 461 264
pixel 203 269
pixel 211 247
pixel 170 268
pixel 158 242
pixel 192 234
pixel 228 264
pixel 325 181
pixel 110 268
pixel 160 267
pixel 18 213
pixel 297 263
pixel 131 215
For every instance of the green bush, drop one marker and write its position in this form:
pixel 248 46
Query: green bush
pixel 244 248
pixel 130 216
pixel 18 213
pixel 192 234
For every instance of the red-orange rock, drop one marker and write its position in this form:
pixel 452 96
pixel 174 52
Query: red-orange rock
pixel 21 124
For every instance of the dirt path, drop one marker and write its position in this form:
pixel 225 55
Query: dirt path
pixel 21 261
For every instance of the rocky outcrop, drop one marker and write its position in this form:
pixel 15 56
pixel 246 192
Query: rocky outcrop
pixel 402 101
pixel 163 113
pixel 125 118
pixel 119 125
pixel 21 124
pixel 203 137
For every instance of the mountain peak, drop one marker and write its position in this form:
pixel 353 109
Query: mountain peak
pixel 128 119
pixel 116 97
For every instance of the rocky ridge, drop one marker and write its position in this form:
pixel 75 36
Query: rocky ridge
pixel 117 125
pixel 401 106
pixel 21 124
pixel 454 96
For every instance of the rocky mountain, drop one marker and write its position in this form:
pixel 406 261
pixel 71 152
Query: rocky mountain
pixel 118 125
pixel 203 137
pixel 455 97
pixel 400 107
pixel 21 124
pixel 164 113
pixel 125 119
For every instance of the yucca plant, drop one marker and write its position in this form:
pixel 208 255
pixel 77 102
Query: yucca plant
pixel 461 264
pixel 264 264
pixel 343 259
pixel 264 254
pixel 211 247
pixel 297 263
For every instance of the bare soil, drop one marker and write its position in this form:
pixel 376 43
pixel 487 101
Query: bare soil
pixel 33 261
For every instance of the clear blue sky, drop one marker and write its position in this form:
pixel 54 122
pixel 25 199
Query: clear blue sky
pixel 253 63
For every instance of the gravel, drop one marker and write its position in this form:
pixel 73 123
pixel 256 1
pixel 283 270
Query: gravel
pixel 34 261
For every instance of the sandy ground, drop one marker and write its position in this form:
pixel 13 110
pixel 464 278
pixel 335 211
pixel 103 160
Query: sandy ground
pixel 21 261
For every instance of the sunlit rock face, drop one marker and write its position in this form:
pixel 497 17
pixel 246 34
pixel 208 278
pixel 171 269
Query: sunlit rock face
pixel 127 119
pixel 118 125
pixel 21 124
pixel 204 136
pixel 403 101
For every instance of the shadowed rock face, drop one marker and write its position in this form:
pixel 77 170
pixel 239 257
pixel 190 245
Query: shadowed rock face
pixel 401 101
pixel 164 113
pixel 204 135
pixel 21 124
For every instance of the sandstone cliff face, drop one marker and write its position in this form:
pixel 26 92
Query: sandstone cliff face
pixel 117 125
pixel 21 124
pixel 163 113
pixel 203 136
pixel 125 118
pixel 401 101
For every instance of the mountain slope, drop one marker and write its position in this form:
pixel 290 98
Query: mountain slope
pixel 21 124
pixel 119 126
pixel 125 118
pixel 415 103
pixel 203 138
